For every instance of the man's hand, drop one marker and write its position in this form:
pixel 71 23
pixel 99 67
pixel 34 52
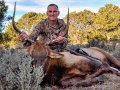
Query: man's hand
pixel 59 39
pixel 23 36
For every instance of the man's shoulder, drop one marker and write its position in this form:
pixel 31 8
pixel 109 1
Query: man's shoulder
pixel 41 24
pixel 61 21
pixel 43 21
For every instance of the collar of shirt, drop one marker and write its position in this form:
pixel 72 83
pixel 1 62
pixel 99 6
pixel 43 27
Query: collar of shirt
pixel 58 25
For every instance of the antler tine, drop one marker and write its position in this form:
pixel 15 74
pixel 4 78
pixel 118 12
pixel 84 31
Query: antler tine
pixel 13 22
pixel 68 21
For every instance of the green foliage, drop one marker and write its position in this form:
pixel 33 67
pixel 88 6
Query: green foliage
pixel 12 37
pixel 107 18
pixel 25 23
pixel 103 25
pixel 81 20
pixel 3 17
pixel 3 14
pixel 3 38
pixel 29 20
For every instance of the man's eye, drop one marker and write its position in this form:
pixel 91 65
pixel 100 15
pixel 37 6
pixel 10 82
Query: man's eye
pixel 50 11
pixel 55 11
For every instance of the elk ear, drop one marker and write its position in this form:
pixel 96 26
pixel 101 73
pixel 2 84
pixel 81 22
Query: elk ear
pixel 55 55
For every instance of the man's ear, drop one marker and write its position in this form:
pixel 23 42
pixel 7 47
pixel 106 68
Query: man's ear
pixel 58 13
pixel 55 55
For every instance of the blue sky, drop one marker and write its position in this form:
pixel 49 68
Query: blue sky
pixel 24 6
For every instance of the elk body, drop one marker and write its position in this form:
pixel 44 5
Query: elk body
pixel 67 69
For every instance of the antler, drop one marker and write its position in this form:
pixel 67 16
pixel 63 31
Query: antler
pixel 28 40
pixel 68 20
pixel 13 22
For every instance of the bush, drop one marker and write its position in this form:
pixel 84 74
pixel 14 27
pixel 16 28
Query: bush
pixel 15 71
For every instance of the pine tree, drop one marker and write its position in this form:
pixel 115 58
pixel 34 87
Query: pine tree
pixel 3 14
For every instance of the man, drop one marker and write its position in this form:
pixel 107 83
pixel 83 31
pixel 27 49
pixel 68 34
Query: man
pixel 51 29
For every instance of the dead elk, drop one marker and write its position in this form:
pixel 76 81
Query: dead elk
pixel 66 69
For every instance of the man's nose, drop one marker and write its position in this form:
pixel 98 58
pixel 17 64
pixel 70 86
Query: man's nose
pixel 52 13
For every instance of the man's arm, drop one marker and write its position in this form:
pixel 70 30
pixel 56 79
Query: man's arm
pixel 37 30
pixel 33 36
pixel 63 35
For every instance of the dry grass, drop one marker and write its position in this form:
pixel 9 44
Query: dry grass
pixel 15 72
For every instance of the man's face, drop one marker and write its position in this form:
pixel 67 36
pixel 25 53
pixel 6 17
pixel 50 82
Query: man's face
pixel 52 12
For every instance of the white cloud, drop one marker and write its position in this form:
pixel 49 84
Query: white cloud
pixel 48 1
pixel 78 9
pixel 58 2
pixel 26 8
pixel 9 1
pixel 63 10
pixel 42 5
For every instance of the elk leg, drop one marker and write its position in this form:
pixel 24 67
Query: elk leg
pixel 70 82
pixel 115 71
pixel 97 73
pixel 89 82
pixel 76 81
pixel 104 70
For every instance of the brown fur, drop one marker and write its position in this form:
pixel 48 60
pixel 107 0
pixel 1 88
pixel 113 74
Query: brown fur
pixel 111 59
pixel 66 69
